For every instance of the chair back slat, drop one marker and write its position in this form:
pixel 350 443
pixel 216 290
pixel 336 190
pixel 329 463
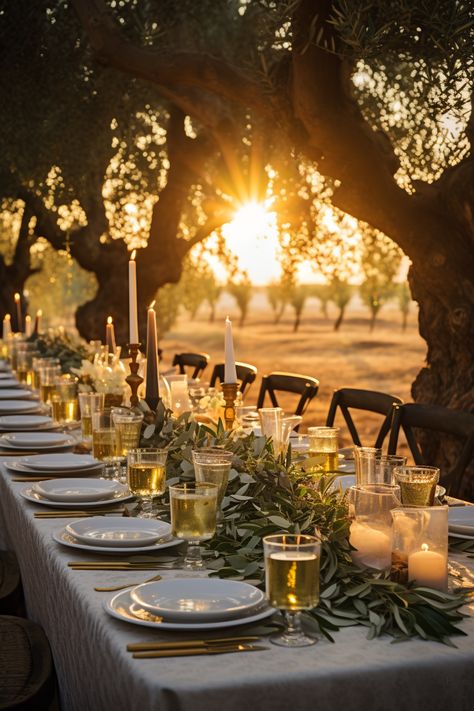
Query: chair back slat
pixel 246 374
pixel 197 361
pixel 434 418
pixel 304 385
pixel 379 403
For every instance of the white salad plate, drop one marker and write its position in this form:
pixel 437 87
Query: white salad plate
pixel 197 599
pixel 119 532
pixel 122 607
pixel 9 383
pixel 50 462
pixel 78 490
pixel 5 373
pixel 26 423
pixel 461 520
pixel 10 407
pixel 17 467
pixel 36 439
pixel 50 448
pixel 16 394
pixel 31 495
pixel 66 539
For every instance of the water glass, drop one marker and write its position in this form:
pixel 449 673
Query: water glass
pixel 373 467
pixel 323 446
pixel 292 582
pixel 420 546
pixel 417 484
pixel 88 403
pixel 193 518
pixel 128 426
pixel 213 464
pixel 64 400
pixel 146 476
pixel 104 437
pixel 370 507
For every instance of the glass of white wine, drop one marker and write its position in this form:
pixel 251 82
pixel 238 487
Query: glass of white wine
pixel 193 518
pixel 323 445
pixel 105 445
pixel 292 582
pixel 88 403
pixel 212 464
pixel 146 476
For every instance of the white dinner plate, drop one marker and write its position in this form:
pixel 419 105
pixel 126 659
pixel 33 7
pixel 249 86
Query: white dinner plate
pixel 62 462
pixel 197 599
pixel 77 490
pixel 17 467
pixel 122 607
pixel 10 407
pixel 5 373
pixel 20 422
pixel 52 449
pixel 119 532
pixel 9 383
pixel 69 541
pixel 34 439
pixel 30 495
pixel 461 520
pixel 16 394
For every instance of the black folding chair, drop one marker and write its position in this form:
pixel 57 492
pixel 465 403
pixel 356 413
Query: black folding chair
pixel 197 361
pixel 456 423
pixel 369 400
pixel 303 385
pixel 246 374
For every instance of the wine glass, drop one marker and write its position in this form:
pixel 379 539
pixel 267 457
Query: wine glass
pixel 292 582
pixel 212 464
pixel 146 476
pixel 193 518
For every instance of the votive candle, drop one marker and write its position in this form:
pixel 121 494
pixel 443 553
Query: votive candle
pixel 428 568
pixel 374 546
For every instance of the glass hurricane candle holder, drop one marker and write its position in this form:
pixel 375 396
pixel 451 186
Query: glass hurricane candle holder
pixel 420 546
pixel 323 447
pixel 371 528
pixel 417 484
pixel 179 394
pixel 292 582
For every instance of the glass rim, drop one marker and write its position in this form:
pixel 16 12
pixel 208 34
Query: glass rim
pixel 213 453
pixel 323 429
pixel 275 539
pixel 414 507
pixel 386 489
pixel 193 486
pixel 150 450
pixel 269 409
pixel 417 468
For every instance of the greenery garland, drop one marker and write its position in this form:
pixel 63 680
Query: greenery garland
pixel 267 495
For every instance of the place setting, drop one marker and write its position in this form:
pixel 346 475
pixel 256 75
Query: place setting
pixel 72 493
pixel 38 441
pixel 55 465
pixel 15 406
pixel 27 423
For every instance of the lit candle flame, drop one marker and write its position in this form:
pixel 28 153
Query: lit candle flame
pixel 17 297
pixel 425 547
pixel 39 312
pixel 7 317
pixel 109 319
pixel 134 254
pixel 152 304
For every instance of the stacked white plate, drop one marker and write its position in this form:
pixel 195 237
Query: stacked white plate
pixel 461 522
pixel 26 423
pixel 16 393
pixel 16 407
pixel 116 534
pixel 60 465
pixel 9 382
pixel 191 604
pixel 76 492
pixel 25 441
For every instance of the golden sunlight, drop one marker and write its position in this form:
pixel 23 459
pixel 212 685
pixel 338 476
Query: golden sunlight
pixel 253 237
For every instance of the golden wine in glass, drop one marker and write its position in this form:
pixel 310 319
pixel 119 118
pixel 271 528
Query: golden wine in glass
pixel 146 476
pixel 193 517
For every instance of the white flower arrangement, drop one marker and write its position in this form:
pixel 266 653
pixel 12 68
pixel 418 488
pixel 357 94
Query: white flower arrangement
pixel 101 378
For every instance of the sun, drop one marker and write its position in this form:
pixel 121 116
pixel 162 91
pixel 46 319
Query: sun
pixel 253 237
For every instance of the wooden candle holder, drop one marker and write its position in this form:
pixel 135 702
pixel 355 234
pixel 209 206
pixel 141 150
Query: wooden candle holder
pixel 134 380
pixel 230 394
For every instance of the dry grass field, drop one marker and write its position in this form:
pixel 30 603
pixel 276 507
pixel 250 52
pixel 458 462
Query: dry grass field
pixel 386 359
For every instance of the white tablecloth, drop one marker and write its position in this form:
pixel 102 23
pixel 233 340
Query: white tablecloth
pixel 97 674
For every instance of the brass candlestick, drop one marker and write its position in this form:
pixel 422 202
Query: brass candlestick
pixel 134 380
pixel 230 395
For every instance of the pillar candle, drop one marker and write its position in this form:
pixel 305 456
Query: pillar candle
pixel 28 327
pixel 230 374
pixel 152 393
pixel 132 299
pixel 7 327
pixel 428 568
pixel 19 317
pixel 110 335
pixel 37 328
pixel 374 546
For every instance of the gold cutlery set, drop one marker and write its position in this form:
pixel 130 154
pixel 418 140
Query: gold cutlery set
pixel 193 648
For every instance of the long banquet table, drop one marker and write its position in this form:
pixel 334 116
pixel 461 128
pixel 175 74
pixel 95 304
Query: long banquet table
pixel 96 673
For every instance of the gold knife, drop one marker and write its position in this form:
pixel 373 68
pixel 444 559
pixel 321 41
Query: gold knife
pixel 187 644
pixel 199 651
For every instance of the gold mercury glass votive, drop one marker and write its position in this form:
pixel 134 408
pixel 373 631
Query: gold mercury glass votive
pixel 417 484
